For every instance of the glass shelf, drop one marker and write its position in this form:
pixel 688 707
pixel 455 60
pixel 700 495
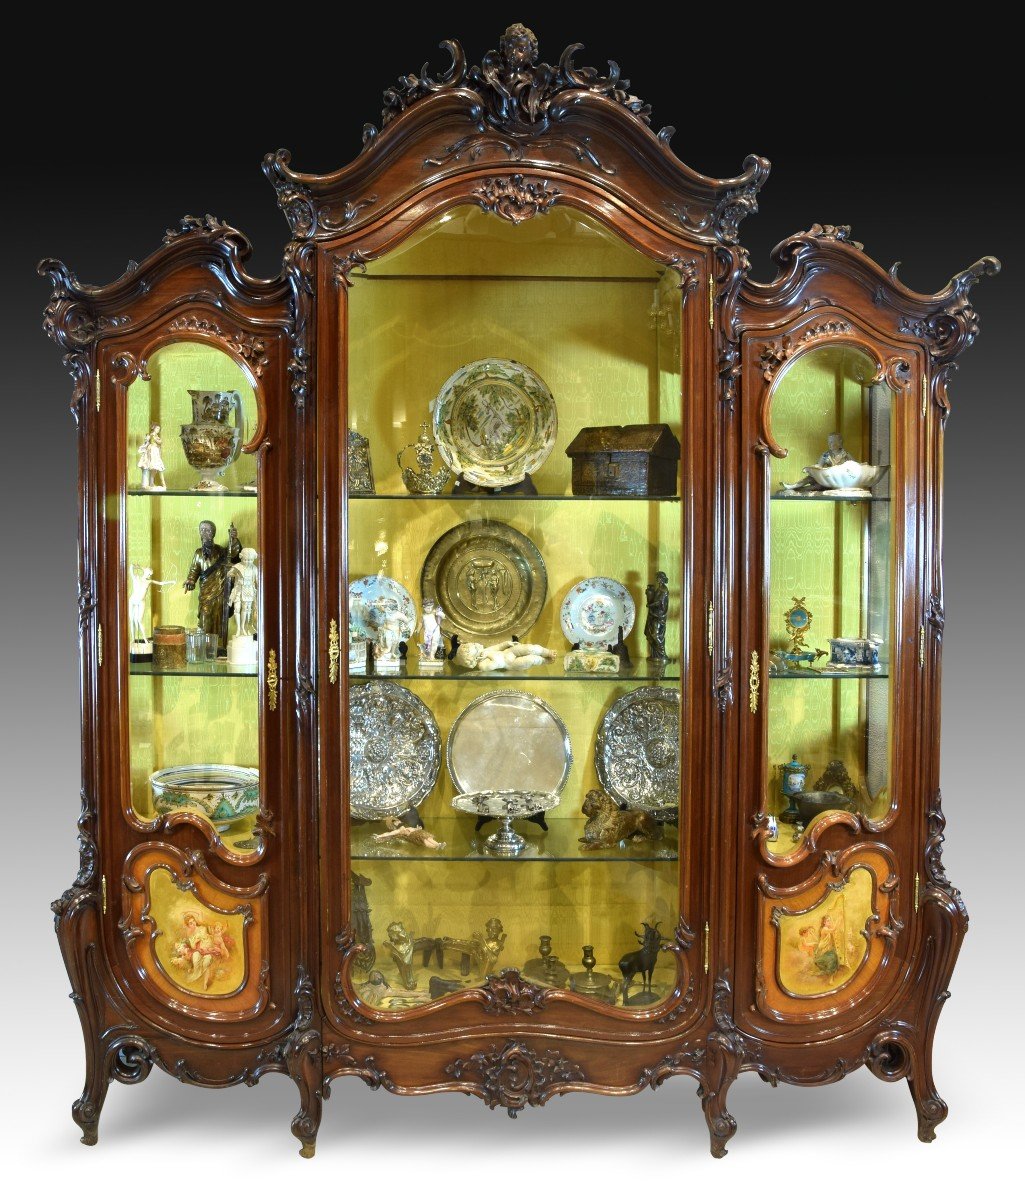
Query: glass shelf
pixel 642 673
pixel 230 495
pixel 821 498
pixel 559 844
pixel 462 497
pixel 867 673
pixel 213 670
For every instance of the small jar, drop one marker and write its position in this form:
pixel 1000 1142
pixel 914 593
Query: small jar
pixel 169 648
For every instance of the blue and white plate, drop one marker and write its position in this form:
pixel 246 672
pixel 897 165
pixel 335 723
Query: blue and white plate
pixel 593 611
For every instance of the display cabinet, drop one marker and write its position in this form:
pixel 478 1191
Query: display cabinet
pixel 511 637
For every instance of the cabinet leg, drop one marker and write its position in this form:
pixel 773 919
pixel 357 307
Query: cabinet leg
pixel 304 1066
pixel 929 1105
pixel 85 1112
pixel 722 1065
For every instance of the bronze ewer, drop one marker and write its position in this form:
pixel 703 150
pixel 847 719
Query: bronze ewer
pixel 211 444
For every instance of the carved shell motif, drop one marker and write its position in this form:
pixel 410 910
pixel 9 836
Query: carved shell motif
pixel 515 1075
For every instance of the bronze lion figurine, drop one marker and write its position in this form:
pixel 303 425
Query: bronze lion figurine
pixel 607 825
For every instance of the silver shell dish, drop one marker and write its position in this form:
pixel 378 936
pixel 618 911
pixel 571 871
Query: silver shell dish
pixel 509 741
pixel 637 752
pixel 394 750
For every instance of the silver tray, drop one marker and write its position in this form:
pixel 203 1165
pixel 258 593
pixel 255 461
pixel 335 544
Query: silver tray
pixel 489 578
pixel 637 752
pixel 394 750
pixel 513 803
pixel 509 741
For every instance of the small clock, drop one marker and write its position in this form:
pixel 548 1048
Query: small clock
pixel 798 621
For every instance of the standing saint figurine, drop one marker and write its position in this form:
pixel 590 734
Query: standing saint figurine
pixel 209 571
pixel 244 585
pixel 657 596
pixel 142 580
pixel 150 462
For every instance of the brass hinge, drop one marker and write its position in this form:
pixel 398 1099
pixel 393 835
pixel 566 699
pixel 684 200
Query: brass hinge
pixel 711 630
pixel 706 947
pixel 103 894
pixel 334 651
pixel 925 393
pixel 916 891
pixel 711 302
pixel 99 644
pixel 921 645
pixel 754 681
pixel 272 681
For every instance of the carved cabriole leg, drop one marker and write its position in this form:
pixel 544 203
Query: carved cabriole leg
pixel 77 925
pixel 301 1054
pixel 724 1056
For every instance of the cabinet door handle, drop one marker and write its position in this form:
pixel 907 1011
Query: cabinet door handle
pixel 334 651
pixel 272 681
pixel 754 681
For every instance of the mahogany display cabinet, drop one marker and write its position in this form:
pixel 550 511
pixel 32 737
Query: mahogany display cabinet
pixel 765 732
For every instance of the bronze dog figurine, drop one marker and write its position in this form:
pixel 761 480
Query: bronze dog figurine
pixel 607 826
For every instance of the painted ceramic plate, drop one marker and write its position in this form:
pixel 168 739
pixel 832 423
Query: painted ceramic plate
pixel 489 579
pixel 495 422
pixel 637 753
pixel 509 741
pixel 594 610
pixel 374 596
pixel 394 750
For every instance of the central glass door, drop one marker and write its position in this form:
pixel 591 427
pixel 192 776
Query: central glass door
pixel 515 596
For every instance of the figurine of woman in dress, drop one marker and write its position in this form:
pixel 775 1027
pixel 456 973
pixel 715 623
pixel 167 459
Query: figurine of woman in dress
pixel 150 462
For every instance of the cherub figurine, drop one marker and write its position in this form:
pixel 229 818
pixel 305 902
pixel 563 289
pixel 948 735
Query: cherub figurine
pixel 243 577
pixel 508 655
pixel 430 626
pixel 151 464
pixel 142 580
pixel 415 836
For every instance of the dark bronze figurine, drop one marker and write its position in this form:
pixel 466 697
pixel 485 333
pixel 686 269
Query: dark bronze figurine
pixel 642 962
pixel 657 596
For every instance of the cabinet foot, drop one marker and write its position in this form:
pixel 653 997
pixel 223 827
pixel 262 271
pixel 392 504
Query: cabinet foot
pixel 929 1105
pixel 308 1148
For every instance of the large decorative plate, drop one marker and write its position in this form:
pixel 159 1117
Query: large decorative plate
pixel 637 754
pixel 495 422
pixel 380 593
pixel 394 750
pixel 489 578
pixel 509 741
pixel 593 611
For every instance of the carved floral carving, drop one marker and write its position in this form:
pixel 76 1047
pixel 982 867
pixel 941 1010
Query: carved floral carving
pixel 191 224
pixel 934 869
pixel 245 345
pixel 775 354
pixel 516 1075
pixel 509 992
pixel 516 198
pixel 834 233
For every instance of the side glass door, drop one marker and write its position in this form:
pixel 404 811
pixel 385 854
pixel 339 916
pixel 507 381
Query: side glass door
pixel 512 803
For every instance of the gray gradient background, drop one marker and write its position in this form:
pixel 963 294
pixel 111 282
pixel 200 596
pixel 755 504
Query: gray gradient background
pixel 86 188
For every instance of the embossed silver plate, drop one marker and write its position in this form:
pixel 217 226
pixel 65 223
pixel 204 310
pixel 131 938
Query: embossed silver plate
pixel 394 750
pixel 512 803
pixel 495 422
pixel 489 578
pixel 509 741
pixel 637 752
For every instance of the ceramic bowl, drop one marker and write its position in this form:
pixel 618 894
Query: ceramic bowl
pixel 847 476
pixel 222 794
pixel 811 804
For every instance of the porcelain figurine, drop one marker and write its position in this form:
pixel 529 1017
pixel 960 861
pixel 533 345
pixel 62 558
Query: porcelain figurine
pixel 432 648
pixel 388 623
pixel 607 826
pixel 657 596
pixel 142 580
pixel 413 835
pixel 243 578
pixel 151 464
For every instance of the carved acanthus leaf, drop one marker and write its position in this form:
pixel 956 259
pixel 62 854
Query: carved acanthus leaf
pixel 515 197
pixel 834 233
pixel 955 324
pixel 934 870
pixel 516 1075
pixel 300 209
pixel 775 354
pixel 245 345
pixel 516 93
pixel 69 319
pixel 509 992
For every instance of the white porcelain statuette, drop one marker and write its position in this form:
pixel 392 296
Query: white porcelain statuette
pixel 141 580
pixel 432 654
pixel 151 464
pixel 506 655
pixel 245 586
